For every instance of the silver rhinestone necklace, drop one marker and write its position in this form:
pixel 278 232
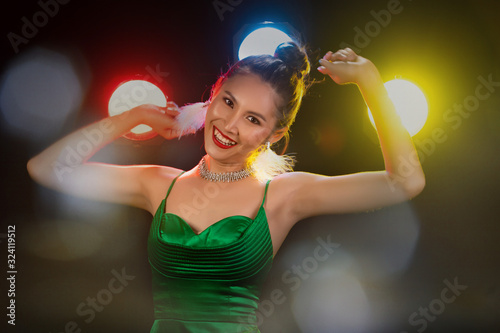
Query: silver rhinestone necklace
pixel 221 177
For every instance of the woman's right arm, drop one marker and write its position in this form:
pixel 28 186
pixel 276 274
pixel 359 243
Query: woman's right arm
pixel 63 166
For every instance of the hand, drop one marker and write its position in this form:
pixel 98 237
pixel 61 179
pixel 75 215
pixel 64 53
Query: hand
pixel 160 119
pixel 345 66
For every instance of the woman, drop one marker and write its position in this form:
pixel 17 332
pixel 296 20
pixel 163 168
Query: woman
pixel 210 260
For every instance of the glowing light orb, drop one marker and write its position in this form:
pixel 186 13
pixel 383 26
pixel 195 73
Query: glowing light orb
pixel 39 91
pixel 134 93
pixel 262 41
pixel 410 104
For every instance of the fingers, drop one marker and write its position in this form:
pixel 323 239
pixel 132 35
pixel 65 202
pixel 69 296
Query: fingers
pixel 346 54
pixel 171 134
pixel 171 109
pixel 332 62
pixel 323 67
pixel 349 54
pixel 332 67
pixel 175 132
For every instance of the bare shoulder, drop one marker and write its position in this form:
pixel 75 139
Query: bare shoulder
pixel 293 179
pixel 282 196
pixel 160 172
pixel 289 183
pixel 155 180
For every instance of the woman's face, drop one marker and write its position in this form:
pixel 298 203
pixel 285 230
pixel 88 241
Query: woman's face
pixel 241 117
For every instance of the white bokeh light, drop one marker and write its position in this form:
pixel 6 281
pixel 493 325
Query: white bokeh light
pixel 262 41
pixel 39 91
pixel 134 93
pixel 332 297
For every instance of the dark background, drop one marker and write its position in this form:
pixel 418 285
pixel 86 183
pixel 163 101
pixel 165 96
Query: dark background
pixel 389 264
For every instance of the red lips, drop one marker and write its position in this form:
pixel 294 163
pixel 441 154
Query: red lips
pixel 219 143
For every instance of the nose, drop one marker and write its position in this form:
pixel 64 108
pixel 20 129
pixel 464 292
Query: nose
pixel 232 123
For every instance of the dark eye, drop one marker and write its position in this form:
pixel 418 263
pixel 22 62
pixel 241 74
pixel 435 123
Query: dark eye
pixel 228 102
pixel 253 120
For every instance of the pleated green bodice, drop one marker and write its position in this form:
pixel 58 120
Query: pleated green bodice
pixel 208 282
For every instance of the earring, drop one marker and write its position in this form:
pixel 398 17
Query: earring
pixel 267 164
pixel 192 117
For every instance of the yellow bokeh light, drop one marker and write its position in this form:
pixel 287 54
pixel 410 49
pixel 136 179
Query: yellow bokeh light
pixel 410 104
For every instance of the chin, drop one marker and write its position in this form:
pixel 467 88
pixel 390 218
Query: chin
pixel 219 154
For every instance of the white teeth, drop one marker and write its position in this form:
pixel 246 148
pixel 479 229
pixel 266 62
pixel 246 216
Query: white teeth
pixel 222 139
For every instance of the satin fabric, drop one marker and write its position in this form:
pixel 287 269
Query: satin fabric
pixel 208 282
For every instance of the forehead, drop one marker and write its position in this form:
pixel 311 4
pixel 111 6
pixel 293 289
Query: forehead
pixel 252 93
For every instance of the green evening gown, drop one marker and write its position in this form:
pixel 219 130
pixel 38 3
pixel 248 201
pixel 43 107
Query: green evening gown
pixel 208 282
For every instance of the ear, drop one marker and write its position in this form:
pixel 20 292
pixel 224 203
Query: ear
pixel 278 134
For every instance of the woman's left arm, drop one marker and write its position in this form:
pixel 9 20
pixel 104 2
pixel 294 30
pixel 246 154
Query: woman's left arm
pixel 403 177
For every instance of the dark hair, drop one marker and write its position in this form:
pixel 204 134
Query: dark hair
pixel 287 72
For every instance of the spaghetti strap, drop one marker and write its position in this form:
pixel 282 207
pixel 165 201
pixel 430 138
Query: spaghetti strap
pixel 265 193
pixel 172 184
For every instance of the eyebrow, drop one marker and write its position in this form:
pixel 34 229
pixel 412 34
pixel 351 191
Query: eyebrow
pixel 251 112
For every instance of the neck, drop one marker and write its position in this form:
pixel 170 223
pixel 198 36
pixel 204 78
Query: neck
pixel 222 167
pixel 225 176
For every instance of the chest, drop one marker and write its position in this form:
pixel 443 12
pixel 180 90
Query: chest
pixel 234 249
pixel 203 206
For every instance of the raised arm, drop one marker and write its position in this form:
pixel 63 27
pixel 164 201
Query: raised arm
pixel 403 177
pixel 63 166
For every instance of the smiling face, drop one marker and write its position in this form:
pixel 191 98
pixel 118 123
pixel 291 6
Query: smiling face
pixel 240 118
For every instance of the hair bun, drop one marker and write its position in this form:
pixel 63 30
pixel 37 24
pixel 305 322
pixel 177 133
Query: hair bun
pixel 294 58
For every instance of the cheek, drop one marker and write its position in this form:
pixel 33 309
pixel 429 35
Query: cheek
pixel 211 111
pixel 257 137
pixel 215 108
